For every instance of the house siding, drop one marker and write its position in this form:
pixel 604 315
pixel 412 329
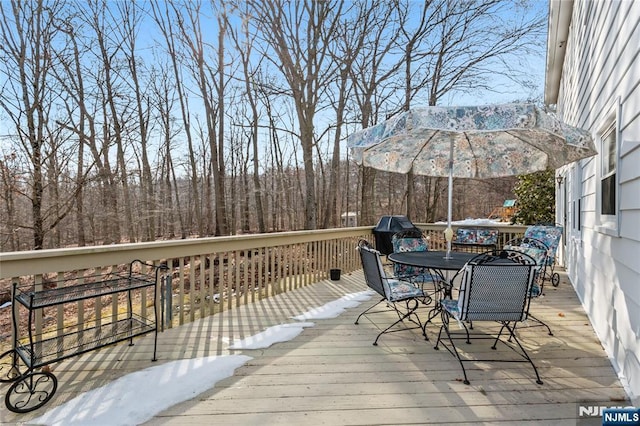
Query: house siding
pixel 601 70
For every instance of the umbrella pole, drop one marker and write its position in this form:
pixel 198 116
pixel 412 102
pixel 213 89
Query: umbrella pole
pixel 448 233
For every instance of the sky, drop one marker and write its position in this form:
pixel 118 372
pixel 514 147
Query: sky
pixel 137 397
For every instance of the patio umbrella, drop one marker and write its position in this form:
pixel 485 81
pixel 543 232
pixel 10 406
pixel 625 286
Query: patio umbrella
pixel 470 142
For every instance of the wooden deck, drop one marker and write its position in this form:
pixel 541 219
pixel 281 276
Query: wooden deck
pixel 332 374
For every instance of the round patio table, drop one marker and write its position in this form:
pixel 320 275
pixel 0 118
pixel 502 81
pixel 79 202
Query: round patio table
pixel 438 262
pixel 433 259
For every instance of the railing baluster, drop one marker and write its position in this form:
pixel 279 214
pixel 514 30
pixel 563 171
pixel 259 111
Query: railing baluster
pixel 245 282
pixel 211 287
pixel 236 290
pixel 204 303
pixel 181 290
pixel 298 263
pixel 60 311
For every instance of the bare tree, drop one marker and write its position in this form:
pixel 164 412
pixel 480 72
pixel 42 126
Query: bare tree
pixel 282 204
pixel 27 46
pixel 370 73
pixel 9 188
pixel 130 27
pixel 165 19
pixel 208 81
pixel 164 92
pixel 475 42
pixel 70 77
pixel 350 37
pixel 79 79
pixel 298 33
pixel 410 40
pixel 244 41
pixel 217 144
pixel 105 29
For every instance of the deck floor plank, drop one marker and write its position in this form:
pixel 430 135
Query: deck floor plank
pixel 332 374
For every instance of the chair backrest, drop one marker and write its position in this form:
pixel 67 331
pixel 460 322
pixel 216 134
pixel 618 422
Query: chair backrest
pixel 364 243
pixel 374 274
pixel 479 236
pixel 410 240
pixel 530 246
pixel 405 241
pixel 495 287
pixel 549 235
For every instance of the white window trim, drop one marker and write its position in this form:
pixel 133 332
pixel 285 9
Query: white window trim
pixel 609 224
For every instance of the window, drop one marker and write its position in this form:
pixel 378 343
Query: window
pixel 607 177
pixel 608 172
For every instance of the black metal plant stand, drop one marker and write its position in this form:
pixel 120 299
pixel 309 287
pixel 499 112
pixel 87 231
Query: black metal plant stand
pixel 32 389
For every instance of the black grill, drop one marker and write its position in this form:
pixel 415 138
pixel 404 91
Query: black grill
pixel 386 227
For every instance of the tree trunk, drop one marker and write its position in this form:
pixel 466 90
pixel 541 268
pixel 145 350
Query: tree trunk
pixel 166 24
pixel 146 178
pixel 222 227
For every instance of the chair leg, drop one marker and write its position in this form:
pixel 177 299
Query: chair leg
pixel 367 311
pixel 412 308
pixel 522 349
pixel 414 311
pixel 442 289
pixel 433 312
pixel 454 351
pixel 497 339
pixel 539 321
pixel 401 317
pixel 445 327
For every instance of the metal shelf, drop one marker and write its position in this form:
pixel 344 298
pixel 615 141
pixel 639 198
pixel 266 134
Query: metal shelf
pixel 53 349
pixel 61 293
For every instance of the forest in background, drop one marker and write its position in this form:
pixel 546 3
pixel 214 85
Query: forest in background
pixel 132 121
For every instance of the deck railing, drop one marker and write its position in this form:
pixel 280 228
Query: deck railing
pixel 435 234
pixel 206 275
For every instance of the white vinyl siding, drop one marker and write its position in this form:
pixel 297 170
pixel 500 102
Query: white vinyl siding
pixel 601 70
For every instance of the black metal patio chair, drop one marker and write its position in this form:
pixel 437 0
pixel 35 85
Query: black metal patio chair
pixel 539 252
pixel 494 286
pixel 550 235
pixel 413 240
pixel 402 296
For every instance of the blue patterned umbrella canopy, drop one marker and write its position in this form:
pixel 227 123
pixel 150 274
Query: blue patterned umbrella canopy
pixel 470 142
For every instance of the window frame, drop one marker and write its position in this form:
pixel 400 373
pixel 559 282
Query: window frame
pixel 609 223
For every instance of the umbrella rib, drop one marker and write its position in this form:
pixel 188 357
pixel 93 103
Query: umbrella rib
pixel 424 145
pixel 475 158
